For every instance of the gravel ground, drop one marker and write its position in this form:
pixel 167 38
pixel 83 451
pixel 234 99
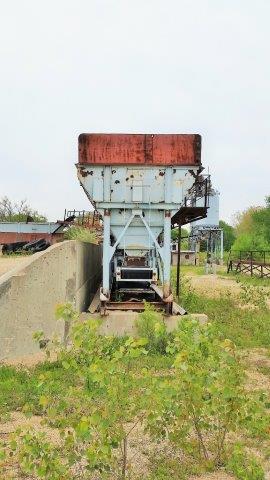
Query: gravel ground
pixel 7 263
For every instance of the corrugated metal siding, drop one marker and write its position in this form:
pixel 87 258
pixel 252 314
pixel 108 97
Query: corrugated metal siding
pixel 161 149
pixel 31 227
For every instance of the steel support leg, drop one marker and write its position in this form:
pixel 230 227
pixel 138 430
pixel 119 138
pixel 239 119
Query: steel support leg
pixel 178 262
pixel 106 253
pixel 167 258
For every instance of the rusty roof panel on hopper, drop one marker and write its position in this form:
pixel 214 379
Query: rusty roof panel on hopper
pixel 160 149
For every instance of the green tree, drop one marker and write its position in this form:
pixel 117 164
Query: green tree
pixel 243 221
pixel 18 212
pixel 184 235
pixel 228 235
pixel 253 228
pixel 261 220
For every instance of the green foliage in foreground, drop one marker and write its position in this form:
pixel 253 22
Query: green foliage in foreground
pixel 189 398
pixel 151 326
pixel 80 233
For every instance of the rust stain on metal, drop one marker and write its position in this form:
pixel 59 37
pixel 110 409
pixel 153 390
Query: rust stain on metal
pixel 84 172
pixel 160 149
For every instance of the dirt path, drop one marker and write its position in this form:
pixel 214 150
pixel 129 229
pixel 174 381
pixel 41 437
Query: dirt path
pixel 213 476
pixel 213 285
pixel 7 263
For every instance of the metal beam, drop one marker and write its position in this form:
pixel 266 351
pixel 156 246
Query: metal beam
pixel 158 247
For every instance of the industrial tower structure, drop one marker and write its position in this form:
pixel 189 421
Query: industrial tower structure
pixel 207 229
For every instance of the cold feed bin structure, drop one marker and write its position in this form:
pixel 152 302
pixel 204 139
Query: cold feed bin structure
pixel 137 183
pixel 209 231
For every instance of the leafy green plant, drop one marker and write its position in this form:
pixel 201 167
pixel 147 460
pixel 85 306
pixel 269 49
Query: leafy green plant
pixel 151 325
pixel 35 455
pixel 101 389
pixel 66 312
pixel 111 403
pixel 205 398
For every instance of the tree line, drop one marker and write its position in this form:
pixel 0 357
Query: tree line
pixel 251 229
pixel 18 211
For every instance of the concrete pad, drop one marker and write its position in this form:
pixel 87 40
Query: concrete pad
pixel 120 323
pixel 173 321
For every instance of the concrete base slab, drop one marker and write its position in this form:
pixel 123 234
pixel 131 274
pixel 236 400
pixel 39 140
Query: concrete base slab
pixel 124 323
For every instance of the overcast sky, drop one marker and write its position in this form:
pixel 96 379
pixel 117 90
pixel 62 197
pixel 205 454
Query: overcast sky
pixel 154 66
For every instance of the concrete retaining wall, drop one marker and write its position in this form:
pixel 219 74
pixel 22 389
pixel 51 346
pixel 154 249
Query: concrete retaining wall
pixel 67 272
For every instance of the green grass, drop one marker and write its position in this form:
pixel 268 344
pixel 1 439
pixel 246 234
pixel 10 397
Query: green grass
pixel 246 327
pixel 19 386
pixel 197 269
pixel 20 253
pixel 257 281
pixel 264 369
pixel 191 270
pixel 166 468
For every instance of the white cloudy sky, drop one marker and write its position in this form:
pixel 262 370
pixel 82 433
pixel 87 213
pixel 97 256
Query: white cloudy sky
pixel 182 66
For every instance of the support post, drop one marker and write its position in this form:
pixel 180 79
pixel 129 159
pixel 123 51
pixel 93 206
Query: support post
pixel 106 252
pixel 178 262
pixel 167 254
pixel 221 247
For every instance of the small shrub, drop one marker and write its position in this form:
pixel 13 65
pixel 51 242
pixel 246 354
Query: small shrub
pixel 82 234
pixel 151 325
pixel 37 456
pixel 204 398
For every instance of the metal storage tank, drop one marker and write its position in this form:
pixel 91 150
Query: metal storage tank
pixel 213 211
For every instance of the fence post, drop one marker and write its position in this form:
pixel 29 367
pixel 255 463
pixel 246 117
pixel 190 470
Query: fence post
pixel 240 264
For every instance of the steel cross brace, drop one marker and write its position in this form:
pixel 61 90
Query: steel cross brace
pixel 136 213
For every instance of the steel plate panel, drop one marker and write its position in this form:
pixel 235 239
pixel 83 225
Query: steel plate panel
pixel 144 149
